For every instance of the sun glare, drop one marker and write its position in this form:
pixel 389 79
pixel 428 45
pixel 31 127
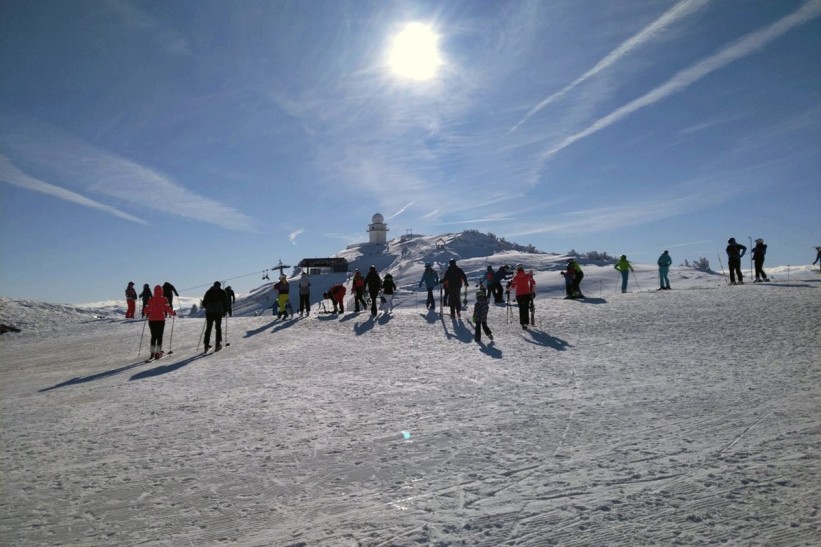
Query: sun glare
pixel 414 53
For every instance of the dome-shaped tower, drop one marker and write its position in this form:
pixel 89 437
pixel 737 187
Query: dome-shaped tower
pixel 378 230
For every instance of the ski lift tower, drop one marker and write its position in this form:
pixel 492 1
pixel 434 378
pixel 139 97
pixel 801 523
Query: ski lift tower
pixel 280 266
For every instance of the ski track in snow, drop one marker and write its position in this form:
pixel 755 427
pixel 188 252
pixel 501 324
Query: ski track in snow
pixel 685 417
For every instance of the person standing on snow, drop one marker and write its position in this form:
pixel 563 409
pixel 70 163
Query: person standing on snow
pixel 388 290
pixel 569 275
pixel 524 287
pixel 758 252
pixel 232 298
pixel 304 294
pixel 430 278
pixel 130 300
pixel 453 279
pixel 145 296
pixel 156 311
pixel 374 283
pixel 358 289
pixel 216 304
pixel 735 251
pixel 817 258
pixel 664 263
pixel 480 311
pixel 624 267
pixel 283 297
pixel 577 277
pixel 169 291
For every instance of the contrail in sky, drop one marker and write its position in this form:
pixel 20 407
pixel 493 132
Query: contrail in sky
pixel 673 15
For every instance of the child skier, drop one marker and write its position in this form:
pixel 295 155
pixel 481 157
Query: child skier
pixel 569 276
pixel 388 289
pixel 480 309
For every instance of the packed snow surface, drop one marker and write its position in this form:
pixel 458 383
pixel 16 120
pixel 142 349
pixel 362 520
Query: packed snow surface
pixel 682 417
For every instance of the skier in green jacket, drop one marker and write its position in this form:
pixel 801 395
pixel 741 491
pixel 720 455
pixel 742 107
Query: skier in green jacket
pixel 624 267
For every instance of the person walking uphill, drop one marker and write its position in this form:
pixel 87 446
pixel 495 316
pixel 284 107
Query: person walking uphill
pixel 156 311
pixel 735 251
pixel 130 300
pixel 430 278
pixel 388 290
pixel 664 263
pixel 758 252
pixel 358 290
pixel 374 284
pixel 216 304
pixel 453 279
pixel 624 267
pixel 525 286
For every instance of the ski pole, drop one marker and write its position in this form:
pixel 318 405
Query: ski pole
pixel 201 333
pixel 227 343
pixel 171 338
pixel 636 279
pixel 141 336
pixel 724 275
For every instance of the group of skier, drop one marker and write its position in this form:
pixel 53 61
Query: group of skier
pixel 379 289
pixel 735 251
pixel 218 302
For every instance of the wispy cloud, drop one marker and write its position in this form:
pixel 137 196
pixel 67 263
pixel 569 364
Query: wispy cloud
pixel 683 79
pixel 13 175
pixel 657 27
pixel 80 164
pixel 293 235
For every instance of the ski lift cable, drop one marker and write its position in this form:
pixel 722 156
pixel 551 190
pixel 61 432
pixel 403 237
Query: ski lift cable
pixel 227 279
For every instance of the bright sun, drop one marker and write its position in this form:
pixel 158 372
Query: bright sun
pixel 414 53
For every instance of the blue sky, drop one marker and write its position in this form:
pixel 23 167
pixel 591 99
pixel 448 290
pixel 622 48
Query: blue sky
pixel 192 141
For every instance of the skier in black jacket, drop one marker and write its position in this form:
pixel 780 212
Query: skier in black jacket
pixel 734 253
pixel 216 305
pixel 374 284
pixel 454 278
pixel 168 291
pixel 758 253
pixel 146 296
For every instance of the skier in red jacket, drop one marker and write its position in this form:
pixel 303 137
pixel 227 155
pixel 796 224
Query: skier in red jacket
pixel 156 311
pixel 525 286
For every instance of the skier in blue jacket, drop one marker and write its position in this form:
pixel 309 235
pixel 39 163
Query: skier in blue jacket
pixel 430 278
pixel 664 263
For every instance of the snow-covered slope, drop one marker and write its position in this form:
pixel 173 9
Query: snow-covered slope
pixel 683 417
pixel 404 258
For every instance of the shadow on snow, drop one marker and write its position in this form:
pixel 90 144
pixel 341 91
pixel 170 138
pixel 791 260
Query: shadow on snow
pixel 91 378
pixel 164 369
pixel 541 338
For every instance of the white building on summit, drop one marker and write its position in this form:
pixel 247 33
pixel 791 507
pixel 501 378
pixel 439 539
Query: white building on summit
pixel 378 230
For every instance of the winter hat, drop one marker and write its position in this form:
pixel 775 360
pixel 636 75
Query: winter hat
pixel 731 240
pixel 490 268
pixel 428 265
pixel 623 257
pixel 480 293
pixel 130 283
pixel 387 275
pixel 452 262
pixel 759 240
pixel 216 284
